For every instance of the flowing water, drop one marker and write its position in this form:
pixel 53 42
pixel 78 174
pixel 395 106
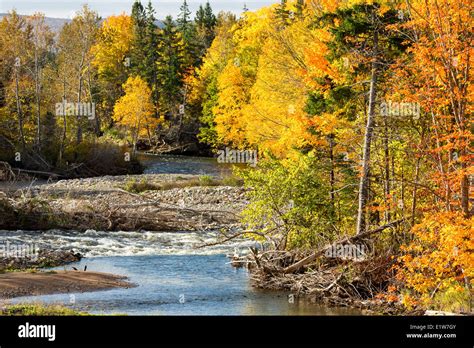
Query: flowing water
pixel 173 274
pixel 174 164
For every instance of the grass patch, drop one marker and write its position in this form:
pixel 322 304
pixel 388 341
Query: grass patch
pixel 39 310
pixel 454 300
pixel 135 186
pixel 207 180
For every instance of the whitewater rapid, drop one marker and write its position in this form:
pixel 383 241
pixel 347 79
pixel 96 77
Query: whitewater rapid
pixel 92 243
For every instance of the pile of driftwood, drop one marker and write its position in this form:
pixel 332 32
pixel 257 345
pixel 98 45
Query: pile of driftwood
pixel 339 281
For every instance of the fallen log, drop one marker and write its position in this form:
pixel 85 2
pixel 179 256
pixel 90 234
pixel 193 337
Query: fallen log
pixel 49 174
pixel 303 262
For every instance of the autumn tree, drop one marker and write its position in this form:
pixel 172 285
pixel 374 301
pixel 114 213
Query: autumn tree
pixel 14 42
pixel 134 110
pixel 435 268
pixel 204 90
pixel 42 42
pixel 112 60
pixel 76 41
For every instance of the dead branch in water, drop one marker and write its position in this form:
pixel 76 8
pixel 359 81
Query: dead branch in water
pixel 298 265
pixel 272 267
pixel 229 238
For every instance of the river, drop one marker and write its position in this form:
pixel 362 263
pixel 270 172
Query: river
pixel 172 275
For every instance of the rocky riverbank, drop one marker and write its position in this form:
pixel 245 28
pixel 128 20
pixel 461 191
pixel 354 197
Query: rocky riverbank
pixel 153 202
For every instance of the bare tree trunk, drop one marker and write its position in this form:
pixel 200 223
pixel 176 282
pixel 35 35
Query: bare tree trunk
pixel 79 96
pixel 369 130
pixel 387 173
pixel 79 126
pixel 96 119
pixel 415 188
pixel 332 174
pixel 63 137
pixel 465 193
pixel 38 102
pixel 18 109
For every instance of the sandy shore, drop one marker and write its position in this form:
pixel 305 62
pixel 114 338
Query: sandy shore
pixel 16 284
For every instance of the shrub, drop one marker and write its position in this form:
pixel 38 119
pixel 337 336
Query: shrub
pixel 438 265
pixel 135 186
pixel 291 199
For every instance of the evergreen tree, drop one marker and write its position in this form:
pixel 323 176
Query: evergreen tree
pixel 170 66
pixel 184 23
pixel 151 53
pixel 144 46
pixel 282 12
pixel 200 19
pixel 137 53
pixel 362 29
pixel 206 22
pixel 210 21
pixel 188 32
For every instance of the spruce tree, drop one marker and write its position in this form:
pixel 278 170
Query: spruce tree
pixel 170 67
pixel 151 53
pixel 210 21
pixel 137 53
pixel 188 32
pixel 283 14
pixel 206 22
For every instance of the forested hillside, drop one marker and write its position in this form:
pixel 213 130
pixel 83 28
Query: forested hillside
pixel 360 113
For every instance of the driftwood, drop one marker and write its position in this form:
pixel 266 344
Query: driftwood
pixel 49 174
pixel 303 262
pixel 166 149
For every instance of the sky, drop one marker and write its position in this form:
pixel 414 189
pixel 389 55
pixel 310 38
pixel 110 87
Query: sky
pixel 105 8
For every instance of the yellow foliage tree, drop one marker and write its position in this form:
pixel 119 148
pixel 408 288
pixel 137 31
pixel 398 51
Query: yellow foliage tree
pixel 263 89
pixel 439 259
pixel 111 51
pixel 135 109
